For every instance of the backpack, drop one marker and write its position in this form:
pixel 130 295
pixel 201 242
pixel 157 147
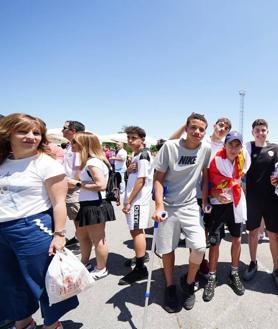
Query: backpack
pixel 113 187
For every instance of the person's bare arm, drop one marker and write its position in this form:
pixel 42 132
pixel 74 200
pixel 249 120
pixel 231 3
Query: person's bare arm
pixel 178 133
pixel 57 189
pixel 139 184
pixel 158 191
pixel 97 175
pixel 204 188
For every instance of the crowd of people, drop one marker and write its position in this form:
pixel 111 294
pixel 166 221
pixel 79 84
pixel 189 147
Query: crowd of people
pixel 197 180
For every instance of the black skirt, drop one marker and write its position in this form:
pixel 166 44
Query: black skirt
pixel 95 212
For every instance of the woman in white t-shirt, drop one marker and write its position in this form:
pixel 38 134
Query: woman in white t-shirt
pixel 32 221
pixel 95 210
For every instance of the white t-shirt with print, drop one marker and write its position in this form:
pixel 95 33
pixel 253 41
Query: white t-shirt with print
pixel 22 186
pixel 86 195
pixel 144 163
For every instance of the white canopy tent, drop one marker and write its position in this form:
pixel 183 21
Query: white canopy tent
pixel 121 137
pixel 57 134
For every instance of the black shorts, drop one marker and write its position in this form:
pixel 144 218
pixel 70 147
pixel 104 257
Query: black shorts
pixel 220 215
pixel 95 212
pixel 258 207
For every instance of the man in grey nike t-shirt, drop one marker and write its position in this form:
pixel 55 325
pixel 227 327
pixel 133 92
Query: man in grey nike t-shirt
pixel 178 167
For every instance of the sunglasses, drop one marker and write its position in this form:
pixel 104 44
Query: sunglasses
pixel 65 128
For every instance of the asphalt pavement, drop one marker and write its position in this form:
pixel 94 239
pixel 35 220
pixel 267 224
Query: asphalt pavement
pixel 107 305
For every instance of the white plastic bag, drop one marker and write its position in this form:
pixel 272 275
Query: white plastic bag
pixel 66 277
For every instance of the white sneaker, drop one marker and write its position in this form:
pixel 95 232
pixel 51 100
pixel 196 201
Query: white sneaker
pixel 99 274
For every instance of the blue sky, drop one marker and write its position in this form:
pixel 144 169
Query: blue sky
pixel 110 63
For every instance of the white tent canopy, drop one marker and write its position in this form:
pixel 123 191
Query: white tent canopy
pixel 112 138
pixel 121 137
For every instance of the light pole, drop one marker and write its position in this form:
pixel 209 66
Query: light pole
pixel 242 94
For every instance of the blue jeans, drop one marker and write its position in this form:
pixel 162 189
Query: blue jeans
pixel 24 260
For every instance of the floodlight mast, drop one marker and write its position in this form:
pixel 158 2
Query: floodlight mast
pixel 242 94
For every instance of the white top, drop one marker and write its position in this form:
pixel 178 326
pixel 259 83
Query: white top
pixel 144 163
pixel 22 186
pixel 86 195
pixel 71 161
pixel 120 166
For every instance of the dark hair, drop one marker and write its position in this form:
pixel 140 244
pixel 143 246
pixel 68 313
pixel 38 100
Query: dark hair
pixel 78 126
pixel 160 143
pixel 197 116
pixel 259 122
pixel 225 120
pixel 135 130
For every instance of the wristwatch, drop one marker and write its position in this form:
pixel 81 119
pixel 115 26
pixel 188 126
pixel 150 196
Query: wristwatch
pixel 78 184
pixel 61 233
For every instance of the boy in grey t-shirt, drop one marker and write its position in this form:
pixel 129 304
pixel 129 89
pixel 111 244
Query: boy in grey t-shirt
pixel 178 166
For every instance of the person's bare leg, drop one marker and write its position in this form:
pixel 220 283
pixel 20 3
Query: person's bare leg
pixel 85 243
pixel 253 244
pixel 191 274
pixel 168 267
pixel 213 258
pixel 235 251
pixel 273 244
pixel 97 235
pixel 139 242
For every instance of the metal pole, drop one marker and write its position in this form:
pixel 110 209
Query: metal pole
pixel 147 293
pixel 242 94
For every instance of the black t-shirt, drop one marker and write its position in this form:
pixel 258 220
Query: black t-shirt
pixel 263 161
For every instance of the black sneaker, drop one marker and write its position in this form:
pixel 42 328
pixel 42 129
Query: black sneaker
pixel 236 284
pixel 209 288
pixel 132 261
pixel 251 271
pixel 188 293
pixel 137 274
pixel 171 303
pixel 275 277
pixel 72 241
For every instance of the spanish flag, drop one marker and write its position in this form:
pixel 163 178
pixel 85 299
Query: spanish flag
pixel 224 174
